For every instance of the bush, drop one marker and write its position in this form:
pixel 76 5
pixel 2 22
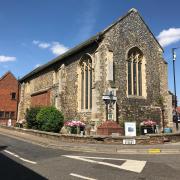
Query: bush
pixel 50 119
pixel 31 117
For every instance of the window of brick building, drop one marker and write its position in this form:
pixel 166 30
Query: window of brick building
pixel 1 114
pixel 13 95
pixel 12 115
pixel 7 115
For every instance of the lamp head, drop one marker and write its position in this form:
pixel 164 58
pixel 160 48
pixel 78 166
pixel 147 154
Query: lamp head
pixel 174 54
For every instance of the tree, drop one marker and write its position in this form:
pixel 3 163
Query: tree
pixel 50 119
pixel 31 114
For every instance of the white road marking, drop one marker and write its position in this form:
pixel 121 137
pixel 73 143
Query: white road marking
pixel 129 165
pixel 17 156
pixel 133 165
pixel 82 177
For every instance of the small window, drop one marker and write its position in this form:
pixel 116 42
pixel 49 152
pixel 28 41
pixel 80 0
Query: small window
pixel 7 115
pixel 12 115
pixel 13 95
pixel 1 114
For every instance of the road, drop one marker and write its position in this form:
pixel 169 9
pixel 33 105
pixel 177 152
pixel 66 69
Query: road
pixel 25 161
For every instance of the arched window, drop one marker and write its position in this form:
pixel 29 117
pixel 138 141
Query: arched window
pixel 86 83
pixel 134 65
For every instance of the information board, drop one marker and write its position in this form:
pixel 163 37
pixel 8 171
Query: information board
pixel 130 128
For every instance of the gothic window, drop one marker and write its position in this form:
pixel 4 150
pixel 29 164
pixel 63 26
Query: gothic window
pixel 87 86
pixel 82 86
pixel 134 69
pixel 90 88
pixel 140 78
pixel 129 78
pixel 134 78
pixel 86 83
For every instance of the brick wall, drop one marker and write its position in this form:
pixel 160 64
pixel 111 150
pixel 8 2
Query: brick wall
pixel 8 85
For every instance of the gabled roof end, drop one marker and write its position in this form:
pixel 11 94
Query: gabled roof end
pixel 8 72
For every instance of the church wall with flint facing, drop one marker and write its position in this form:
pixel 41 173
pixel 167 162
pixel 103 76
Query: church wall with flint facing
pixel 124 59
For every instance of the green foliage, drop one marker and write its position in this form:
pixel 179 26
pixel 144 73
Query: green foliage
pixel 49 119
pixel 73 130
pixel 31 117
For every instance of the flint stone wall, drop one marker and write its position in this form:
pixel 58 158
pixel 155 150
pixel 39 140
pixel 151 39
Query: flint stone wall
pixel 62 79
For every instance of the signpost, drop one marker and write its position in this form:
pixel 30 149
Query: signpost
pixel 130 131
pixel 130 128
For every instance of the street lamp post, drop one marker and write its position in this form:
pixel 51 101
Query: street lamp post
pixel 109 99
pixel 174 74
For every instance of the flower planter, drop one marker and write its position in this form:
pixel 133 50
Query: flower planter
pixel 148 130
pixel 148 126
pixel 75 127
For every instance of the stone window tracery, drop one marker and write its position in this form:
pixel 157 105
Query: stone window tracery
pixel 86 83
pixel 134 68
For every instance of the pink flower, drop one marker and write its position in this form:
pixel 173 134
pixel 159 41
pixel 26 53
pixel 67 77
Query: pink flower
pixel 149 122
pixel 74 123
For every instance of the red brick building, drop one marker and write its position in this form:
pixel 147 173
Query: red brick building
pixel 8 98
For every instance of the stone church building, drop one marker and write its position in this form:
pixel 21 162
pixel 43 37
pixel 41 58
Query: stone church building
pixel 125 59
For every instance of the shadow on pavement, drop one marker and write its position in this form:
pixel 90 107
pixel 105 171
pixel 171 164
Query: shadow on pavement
pixel 10 170
pixel 2 148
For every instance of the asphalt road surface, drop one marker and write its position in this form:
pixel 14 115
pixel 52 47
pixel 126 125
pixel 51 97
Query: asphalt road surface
pixel 25 161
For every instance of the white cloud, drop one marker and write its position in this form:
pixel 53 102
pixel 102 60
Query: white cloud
pixel 7 58
pixel 58 48
pixel 35 42
pixel 43 45
pixel 169 36
pixel 55 47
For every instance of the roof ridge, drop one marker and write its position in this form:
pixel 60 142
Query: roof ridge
pixel 5 74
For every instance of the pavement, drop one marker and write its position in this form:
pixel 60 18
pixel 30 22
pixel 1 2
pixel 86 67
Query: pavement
pixel 167 148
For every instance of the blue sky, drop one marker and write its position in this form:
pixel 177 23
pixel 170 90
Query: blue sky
pixel 34 32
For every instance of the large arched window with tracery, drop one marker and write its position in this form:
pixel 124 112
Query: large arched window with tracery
pixel 134 68
pixel 86 82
